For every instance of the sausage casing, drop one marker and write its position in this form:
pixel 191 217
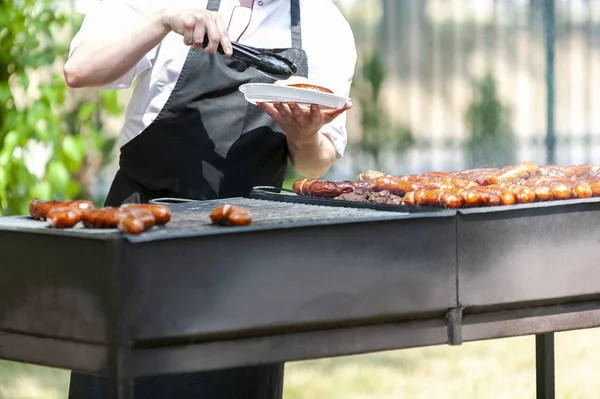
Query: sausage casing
pixel 131 224
pixel 104 218
pixel 62 218
pixel 231 215
pixel 301 187
pixel 438 198
pixel 161 213
pixel 39 209
pixel 393 185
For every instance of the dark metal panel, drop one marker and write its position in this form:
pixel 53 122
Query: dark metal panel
pixel 544 366
pixel 530 321
pixel 55 286
pixel 289 347
pixel 291 279
pixel 85 358
pixel 537 253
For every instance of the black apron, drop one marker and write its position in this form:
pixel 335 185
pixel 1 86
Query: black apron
pixel 207 142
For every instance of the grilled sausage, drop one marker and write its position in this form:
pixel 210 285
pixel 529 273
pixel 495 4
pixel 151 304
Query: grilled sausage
pixel 231 215
pixel 328 189
pixel 595 186
pixel 560 186
pixel 543 193
pixel 563 170
pixel 519 171
pixel 505 196
pixel 136 221
pixel 438 198
pixel 371 175
pixel 523 194
pixel 409 199
pixel 393 185
pixel 161 213
pixel 301 187
pixel 38 209
pixel 131 225
pixel 582 190
pixel 62 217
pixel 104 218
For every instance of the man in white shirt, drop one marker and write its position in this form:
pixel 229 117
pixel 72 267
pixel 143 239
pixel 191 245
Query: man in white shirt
pixel 189 132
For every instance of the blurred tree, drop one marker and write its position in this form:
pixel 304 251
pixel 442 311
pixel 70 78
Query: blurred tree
pixel 378 132
pixel 37 115
pixel 491 142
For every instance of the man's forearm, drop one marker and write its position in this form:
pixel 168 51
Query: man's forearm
pixel 102 59
pixel 313 160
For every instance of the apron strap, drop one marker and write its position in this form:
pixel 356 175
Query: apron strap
pixel 296 28
pixel 213 5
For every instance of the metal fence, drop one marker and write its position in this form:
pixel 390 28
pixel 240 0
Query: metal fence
pixel 543 56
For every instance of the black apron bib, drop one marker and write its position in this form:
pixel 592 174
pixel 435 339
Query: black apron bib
pixel 207 142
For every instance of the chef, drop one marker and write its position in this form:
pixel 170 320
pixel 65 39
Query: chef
pixel 190 133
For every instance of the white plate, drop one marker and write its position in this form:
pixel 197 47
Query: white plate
pixel 269 93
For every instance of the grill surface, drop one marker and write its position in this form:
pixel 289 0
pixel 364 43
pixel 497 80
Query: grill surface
pixel 192 219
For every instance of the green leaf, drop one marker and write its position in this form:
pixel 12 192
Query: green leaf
pixel 74 151
pixel 42 191
pixel 86 111
pixel 110 102
pixel 59 175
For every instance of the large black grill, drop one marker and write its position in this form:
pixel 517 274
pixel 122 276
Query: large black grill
pixel 308 279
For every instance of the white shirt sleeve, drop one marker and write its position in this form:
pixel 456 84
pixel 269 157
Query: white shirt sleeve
pixel 106 16
pixel 333 67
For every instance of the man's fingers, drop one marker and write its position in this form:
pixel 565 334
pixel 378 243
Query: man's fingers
pixel 274 113
pixel 315 114
pixel 283 110
pixel 214 36
pixel 198 36
pixel 225 40
pixel 297 112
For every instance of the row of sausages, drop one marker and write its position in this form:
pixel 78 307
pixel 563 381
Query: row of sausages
pixel 129 218
pixel 522 183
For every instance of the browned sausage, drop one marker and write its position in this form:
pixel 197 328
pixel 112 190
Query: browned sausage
pixel 104 218
pixel 38 209
pixel 161 213
pixel 560 186
pixel 393 185
pixel 130 224
pixel 328 189
pixel 506 197
pixel 62 217
pixel 595 186
pixel 371 175
pixel 409 199
pixel 434 175
pixel 231 215
pixel 582 190
pixel 543 193
pixel 438 198
pixel 300 187
pixel 523 195
pixel 445 183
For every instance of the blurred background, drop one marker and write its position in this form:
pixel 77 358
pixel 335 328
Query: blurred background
pixel 439 85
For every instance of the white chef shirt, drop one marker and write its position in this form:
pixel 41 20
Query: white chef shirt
pixel 326 37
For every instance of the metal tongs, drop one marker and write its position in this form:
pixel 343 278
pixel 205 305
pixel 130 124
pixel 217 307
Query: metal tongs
pixel 269 64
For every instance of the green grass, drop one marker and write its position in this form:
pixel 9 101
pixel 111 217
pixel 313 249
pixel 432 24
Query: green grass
pixel 499 369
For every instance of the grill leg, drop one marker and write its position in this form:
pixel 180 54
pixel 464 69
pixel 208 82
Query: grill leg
pixel 544 364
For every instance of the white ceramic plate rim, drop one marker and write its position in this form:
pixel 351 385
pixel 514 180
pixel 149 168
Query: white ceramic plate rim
pixel 303 97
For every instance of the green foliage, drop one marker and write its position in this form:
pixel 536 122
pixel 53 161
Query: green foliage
pixel 36 115
pixel 378 131
pixel 491 141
